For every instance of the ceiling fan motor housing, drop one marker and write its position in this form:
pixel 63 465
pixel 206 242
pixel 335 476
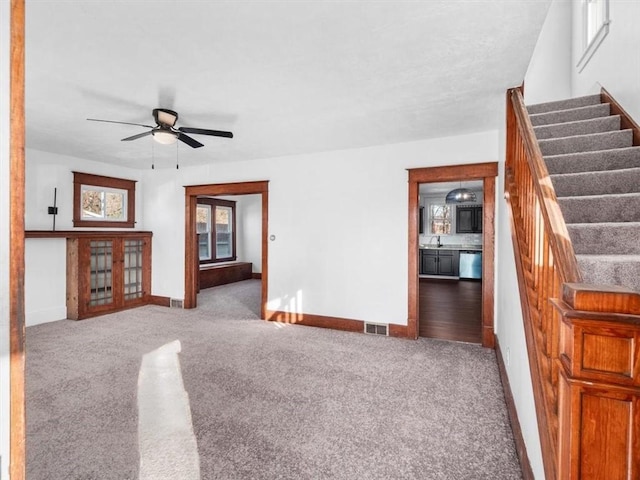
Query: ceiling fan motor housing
pixel 164 117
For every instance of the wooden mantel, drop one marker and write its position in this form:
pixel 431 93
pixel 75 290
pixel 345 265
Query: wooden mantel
pixel 82 233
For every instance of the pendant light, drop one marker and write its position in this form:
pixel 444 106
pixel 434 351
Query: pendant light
pixel 460 195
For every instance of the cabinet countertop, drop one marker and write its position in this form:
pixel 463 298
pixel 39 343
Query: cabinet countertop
pixel 452 247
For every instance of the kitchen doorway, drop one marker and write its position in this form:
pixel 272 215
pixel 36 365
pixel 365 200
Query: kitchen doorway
pixel 450 261
pixel 485 173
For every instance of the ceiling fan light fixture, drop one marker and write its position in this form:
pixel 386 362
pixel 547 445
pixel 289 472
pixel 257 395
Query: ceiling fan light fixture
pixel 165 137
pixel 460 195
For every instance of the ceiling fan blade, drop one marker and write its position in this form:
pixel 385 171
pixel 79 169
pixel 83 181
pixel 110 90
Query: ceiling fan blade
pixel 123 123
pixel 135 137
pixel 203 131
pixel 192 142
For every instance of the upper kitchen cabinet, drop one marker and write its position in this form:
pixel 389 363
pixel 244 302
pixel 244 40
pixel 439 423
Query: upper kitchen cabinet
pixel 469 219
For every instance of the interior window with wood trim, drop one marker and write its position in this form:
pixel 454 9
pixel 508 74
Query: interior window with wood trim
pixel 104 202
pixel 216 230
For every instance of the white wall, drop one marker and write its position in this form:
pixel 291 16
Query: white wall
pixel 5 175
pixel 510 332
pixel 339 218
pixel 616 63
pixel 45 259
pixel 249 230
pixel 548 76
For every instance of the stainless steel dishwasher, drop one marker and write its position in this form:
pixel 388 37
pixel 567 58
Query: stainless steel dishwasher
pixel 470 264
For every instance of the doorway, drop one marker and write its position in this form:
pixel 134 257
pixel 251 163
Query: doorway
pixel 485 172
pixel 192 260
pixel 450 261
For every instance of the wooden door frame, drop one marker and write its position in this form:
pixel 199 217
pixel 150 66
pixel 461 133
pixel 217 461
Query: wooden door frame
pixel 191 261
pixel 17 435
pixel 487 172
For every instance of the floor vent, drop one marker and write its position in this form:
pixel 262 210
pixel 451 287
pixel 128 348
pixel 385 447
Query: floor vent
pixel 376 328
pixel 176 303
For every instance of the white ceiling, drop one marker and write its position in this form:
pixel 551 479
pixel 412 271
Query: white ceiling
pixel 442 188
pixel 287 77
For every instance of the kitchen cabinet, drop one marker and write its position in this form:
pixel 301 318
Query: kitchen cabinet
pixel 106 272
pixel 439 262
pixel 469 219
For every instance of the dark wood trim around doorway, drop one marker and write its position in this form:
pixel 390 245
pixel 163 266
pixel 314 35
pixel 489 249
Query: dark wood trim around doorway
pixel 16 244
pixel 486 172
pixel 191 261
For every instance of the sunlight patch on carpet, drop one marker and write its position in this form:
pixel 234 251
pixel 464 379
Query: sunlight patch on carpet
pixel 166 442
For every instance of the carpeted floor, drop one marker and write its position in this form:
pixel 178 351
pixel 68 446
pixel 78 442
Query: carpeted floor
pixel 267 400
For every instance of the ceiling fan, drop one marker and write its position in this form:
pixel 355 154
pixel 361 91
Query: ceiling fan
pixel 165 131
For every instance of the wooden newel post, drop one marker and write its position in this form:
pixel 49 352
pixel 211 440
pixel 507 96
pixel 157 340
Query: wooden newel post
pixel 599 387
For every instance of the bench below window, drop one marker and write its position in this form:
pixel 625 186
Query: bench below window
pixel 214 275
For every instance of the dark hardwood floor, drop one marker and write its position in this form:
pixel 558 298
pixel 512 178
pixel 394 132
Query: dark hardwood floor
pixel 451 309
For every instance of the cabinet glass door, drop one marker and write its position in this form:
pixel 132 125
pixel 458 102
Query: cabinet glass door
pixel 133 269
pixel 101 278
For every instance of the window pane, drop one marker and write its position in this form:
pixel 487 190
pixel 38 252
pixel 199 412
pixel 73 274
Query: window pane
pixel 114 206
pixel 203 229
pixel 91 204
pixel 204 246
pixel 224 233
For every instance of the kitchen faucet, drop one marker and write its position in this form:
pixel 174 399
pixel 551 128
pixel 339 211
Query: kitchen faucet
pixel 438 240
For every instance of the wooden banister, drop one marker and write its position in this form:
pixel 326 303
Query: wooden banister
pixel 583 341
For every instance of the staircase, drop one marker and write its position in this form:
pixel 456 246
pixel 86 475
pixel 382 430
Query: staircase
pixel 595 171
pixel 572 184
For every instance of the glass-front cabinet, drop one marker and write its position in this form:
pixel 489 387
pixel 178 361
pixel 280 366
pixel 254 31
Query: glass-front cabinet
pixel 107 273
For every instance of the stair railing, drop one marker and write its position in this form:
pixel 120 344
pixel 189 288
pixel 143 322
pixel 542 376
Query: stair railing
pixel 583 341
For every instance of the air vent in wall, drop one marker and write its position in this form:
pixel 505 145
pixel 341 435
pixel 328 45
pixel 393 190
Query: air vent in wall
pixel 376 328
pixel 176 303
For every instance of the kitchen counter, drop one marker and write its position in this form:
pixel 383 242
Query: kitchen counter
pixel 450 247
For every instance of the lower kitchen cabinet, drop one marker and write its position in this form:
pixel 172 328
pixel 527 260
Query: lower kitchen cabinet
pixel 439 262
pixel 107 272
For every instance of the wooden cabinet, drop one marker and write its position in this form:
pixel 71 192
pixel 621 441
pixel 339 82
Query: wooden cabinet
pixel 469 219
pixel 107 272
pixel 439 262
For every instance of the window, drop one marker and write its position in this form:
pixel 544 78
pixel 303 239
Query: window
pixel 203 229
pixel 439 219
pixel 223 215
pixel 595 27
pixel 100 201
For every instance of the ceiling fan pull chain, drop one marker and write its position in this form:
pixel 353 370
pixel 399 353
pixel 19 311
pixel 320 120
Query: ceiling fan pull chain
pixel 177 164
pixel 153 155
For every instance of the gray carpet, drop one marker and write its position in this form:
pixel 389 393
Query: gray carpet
pixel 267 400
pixel 595 171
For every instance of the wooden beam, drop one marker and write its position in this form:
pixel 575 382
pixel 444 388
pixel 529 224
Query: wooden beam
pixel 16 244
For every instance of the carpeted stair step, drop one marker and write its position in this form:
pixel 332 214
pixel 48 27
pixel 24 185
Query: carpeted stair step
pixel 564 104
pixel 601 208
pixel 623 270
pixel 581 127
pixel 612 238
pixel 597 183
pixel 593 161
pixel 586 143
pixel 571 115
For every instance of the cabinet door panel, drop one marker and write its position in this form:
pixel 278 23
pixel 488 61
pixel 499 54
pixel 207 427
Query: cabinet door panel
pixel 464 220
pixel 477 221
pixel 430 264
